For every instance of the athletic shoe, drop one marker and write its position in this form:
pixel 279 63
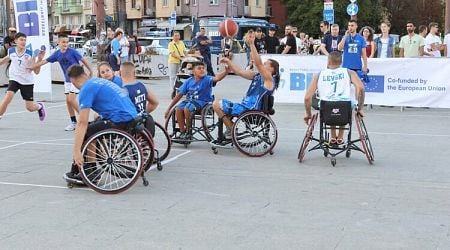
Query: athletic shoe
pixel 71 126
pixel 73 177
pixel 227 134
pixel 41 111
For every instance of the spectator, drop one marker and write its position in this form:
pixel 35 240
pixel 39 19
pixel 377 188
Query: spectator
pixel 324 25
pixel 177 51
pixel 411 45
pixel 260 43
pixel 272 42
pixel 124 46
pixel 423 30
pixel 132 40
pixel 367 33
pixel 447 43
pixel 303 44
pixel 203 43
pixel 114 57
pixel 384 44
pixel 8 42
pixel 330 41
pixel 353 46
pixel 433 43
pixel 226 45
pixel 290 47
pixel 297 39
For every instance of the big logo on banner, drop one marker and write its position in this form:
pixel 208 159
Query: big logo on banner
pixel 32 20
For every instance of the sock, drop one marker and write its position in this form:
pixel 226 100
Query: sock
pixel 73 119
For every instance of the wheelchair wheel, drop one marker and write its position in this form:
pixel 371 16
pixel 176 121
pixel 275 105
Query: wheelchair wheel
pixel 210 123
pixel 254 134
pixel 307 138
pixel 145 141
pixel 113 161
pixel 171 125
pixel 162 142
pixel 364 137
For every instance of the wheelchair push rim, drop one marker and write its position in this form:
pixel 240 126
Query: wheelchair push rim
pixel 145 141
pixel 162 142
pixel 364 138
pixel 118 161
pixel 307 138
pixel 254 134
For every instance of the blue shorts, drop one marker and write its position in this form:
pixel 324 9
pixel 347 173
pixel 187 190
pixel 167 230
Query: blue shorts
pixel 113 62
pixel 192 105
pixel 232 109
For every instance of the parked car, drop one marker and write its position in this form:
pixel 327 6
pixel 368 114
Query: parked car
pixel 90 47
pixel 78 47
pixel 155 45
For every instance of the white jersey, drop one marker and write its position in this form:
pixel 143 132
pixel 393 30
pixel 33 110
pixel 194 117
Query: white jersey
pixel 18 69
pixel 334 85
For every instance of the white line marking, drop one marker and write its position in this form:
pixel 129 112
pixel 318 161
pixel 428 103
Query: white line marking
pixel 170 159
pixel 36 185
pixel 377 133
pixel 26 111
pixel 14 145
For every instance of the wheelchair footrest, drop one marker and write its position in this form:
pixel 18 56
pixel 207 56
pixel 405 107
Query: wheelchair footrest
pixel 222 144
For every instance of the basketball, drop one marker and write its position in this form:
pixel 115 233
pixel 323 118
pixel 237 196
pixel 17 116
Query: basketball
pixel 228 28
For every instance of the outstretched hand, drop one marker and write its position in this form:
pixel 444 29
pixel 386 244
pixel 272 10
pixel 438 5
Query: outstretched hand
pixel 224 60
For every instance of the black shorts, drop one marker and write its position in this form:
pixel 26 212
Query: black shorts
pixel 101 125
pixel 113 62
pixel 25 90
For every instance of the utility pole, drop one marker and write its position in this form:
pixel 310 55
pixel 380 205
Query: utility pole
pixel 7 12
pixel 99 10
pixel 447 16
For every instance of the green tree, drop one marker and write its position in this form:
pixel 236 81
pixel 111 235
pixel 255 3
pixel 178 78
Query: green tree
pixel 307 14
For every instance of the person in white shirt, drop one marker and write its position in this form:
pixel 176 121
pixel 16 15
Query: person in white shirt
pixel 334 84
pixel 125 46
pixel 447 43
pixel 433 43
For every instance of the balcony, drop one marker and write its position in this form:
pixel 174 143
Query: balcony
pixel 73 9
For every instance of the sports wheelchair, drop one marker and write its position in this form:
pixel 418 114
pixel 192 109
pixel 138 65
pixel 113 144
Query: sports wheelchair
pixel 202 122
pixel 336 113
pixel 254 133
pixel 115 158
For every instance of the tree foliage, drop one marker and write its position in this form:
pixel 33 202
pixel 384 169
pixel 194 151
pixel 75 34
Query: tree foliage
pixel 307 14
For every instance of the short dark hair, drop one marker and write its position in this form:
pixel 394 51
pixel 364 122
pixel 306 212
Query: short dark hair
pixel 62 36
pixel 195 64
pixel 422 28
pixel 353 21
pixel 326 23
pixel 19 35
pixel 335 58
pixel 433 24
pixel 75 71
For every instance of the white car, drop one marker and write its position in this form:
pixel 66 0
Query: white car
pixel 160 45
pixel 90 47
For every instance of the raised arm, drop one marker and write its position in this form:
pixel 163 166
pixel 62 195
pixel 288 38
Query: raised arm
pixel 247 74
pixel 37 69
pixel 220 76
pixel 359 88
pixel 266 74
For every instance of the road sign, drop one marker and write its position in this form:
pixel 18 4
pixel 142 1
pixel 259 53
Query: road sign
pixel 328 6
pixel 328 15
pixel 352 9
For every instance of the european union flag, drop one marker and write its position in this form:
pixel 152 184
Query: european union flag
pixel 375 84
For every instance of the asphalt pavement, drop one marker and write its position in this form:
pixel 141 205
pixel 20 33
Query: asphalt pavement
pixel 229 201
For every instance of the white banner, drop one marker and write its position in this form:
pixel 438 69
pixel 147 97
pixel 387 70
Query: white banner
pixel 417 82
pixel 32 20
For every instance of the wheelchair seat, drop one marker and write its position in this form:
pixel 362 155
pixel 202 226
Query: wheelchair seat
pixel 336 113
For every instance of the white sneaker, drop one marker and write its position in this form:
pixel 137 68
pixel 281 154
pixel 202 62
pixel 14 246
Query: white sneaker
pixel 71 126
pixel 227 134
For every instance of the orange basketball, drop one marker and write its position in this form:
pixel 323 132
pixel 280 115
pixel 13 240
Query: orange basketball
pixel 228 28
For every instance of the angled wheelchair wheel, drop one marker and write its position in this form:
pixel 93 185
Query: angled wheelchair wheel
pixel 364 137
pixel 210 123
pixel 254 134
pixel 307 138
pixel 162 142
pixel 145 141
pixel 113 161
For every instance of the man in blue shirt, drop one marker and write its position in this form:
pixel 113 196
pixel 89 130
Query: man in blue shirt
pixel 105 98
pixel 198 92
pixel 116 49
pixel 353 46
pixel 67 57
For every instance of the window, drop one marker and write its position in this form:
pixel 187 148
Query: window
pixel 65 4
pixel 56 19
pixel 245 2
pixel 63 20
pixel 257 2
pixel 213 2
pixel 194 2
pixel 72 21
pixel 87 4
pixel 79 20
pixel 165 3
pixel 133 4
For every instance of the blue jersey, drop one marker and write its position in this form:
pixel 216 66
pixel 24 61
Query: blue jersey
pixel 138 95
pixel 66 59
pixel 353 51
pixel 117 80
pixel 256 92
pixel 115 47
pixel 107 99
pixel 200 91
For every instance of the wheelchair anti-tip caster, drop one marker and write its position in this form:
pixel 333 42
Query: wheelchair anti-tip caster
pixel 333 161
pixel 347 154
pixel 159 166
pixel 215 151
pixel 325 153
pixel 271 152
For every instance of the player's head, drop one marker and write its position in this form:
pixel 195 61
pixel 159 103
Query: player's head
pixel 105 71
pixel 334 59
pixel 63 41
pixel 21 40
pixel 77 75
pixel 274 68
pixel 127 70
pixel 198 69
